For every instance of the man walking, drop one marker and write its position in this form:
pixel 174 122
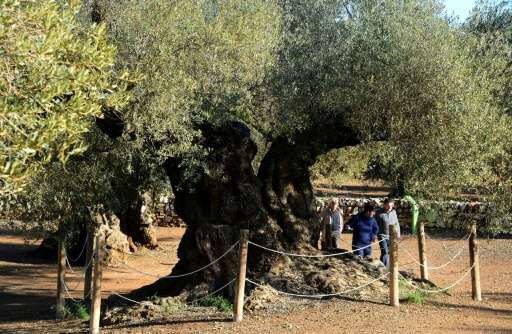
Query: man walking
pixel 385 217
pixel 331 225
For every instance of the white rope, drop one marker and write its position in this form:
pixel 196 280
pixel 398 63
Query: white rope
pixel 186 274
pixel 126 298
pixel 83 248
pixel 68 294
pixel 464 238
pixel 192 302
pixel 212 293
pixel 443 289
pixel 433 268
pixel 315 255
pixel 82 277
pixel 320 295
pixel 71 268
pixel 445 248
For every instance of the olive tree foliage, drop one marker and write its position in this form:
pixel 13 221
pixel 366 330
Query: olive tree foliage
pixel 201 60
pixel 391 70
pixel 54 78
pixel 415 82
pixel 491 23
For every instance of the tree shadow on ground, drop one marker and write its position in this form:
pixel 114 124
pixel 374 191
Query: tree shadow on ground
pixel 18 253
pixel 165 322
pixel 486 329
pixel 17 307
pixel 480 308
pixel 353 299
pixel 351 191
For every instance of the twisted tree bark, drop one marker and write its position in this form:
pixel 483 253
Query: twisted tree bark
pixel 275 204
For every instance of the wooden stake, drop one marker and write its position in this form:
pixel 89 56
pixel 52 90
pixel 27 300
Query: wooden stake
pixel 422 251
pixel 393 267
pixel 88 271
pixel 240 281
pixel 94 325
pixel 61 276
pixel 475 264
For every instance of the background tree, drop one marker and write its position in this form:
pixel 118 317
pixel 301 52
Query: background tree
pixel 491 24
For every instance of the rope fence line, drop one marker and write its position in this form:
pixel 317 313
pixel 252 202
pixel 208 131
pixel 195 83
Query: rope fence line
pixel 243 243
pixel 186 274
pixel 84 267
pixel 83 248
pixel 315 255
pixel 187 303
pixel 320 295
pixel 442 289
pixel 445 247
pixel 68 294
pixel 75 271
pixel 434 267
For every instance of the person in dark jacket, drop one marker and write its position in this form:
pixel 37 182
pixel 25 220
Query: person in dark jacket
pixel 365 230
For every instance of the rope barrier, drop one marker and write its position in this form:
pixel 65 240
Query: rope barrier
pixel 186 274
pixel 432 268
pixel 68 294
pixel 314 255
pixel 82 271
pixel 189 303
pixel 445 248
pixel 443 289
pixel 320 295
pixel 213 293
pixel 71 268
pixel 83 248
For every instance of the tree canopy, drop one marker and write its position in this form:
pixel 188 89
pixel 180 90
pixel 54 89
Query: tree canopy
pixel 398 72
pixel 55 78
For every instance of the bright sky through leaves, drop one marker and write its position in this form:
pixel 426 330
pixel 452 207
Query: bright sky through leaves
pixel 461 8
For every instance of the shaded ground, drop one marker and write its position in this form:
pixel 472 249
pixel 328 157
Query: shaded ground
pixel 355 189
pixel 27 288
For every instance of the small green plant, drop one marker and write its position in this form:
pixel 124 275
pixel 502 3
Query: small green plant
pixel 416 297
pixel 76 311
pixel 409 294
pixel 219 302
pixel 171 306
pixel 402 284
pixel 66 312
pixel 81 312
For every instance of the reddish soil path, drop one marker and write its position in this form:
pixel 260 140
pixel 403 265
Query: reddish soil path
pixel 27 289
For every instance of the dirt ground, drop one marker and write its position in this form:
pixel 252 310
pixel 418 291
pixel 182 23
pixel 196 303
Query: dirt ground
pixel 27 295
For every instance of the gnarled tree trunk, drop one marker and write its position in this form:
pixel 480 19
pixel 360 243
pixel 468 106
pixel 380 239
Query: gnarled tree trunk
pixel 275 204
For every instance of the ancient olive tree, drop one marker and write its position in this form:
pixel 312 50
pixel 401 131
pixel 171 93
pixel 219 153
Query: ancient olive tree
pixel 54 78
pixel 240 97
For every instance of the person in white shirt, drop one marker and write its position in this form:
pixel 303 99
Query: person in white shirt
pixel 331 225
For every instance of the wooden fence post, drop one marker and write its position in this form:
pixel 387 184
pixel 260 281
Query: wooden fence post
pixel 61 276
pixel 422 251
pixel 475 264
pixel 240 281
pixel 94 324
pixel 88 271
pixel 393 262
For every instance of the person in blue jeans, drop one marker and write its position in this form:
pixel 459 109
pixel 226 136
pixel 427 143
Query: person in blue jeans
pixel 386 217
pixel 365 230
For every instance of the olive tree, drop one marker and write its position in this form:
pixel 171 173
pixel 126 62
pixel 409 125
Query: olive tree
pixel 241 97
